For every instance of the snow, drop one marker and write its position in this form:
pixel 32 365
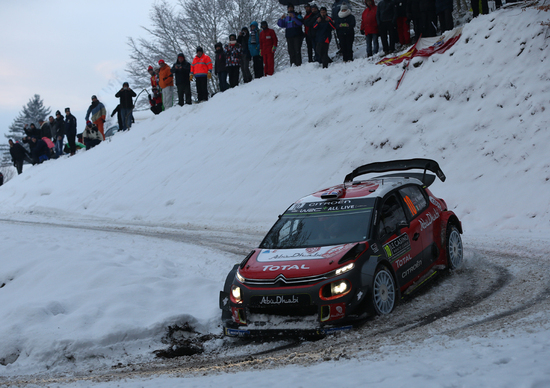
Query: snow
pixel 93 273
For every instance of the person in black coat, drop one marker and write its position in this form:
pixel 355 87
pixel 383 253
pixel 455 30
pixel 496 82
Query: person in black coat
pixel 444 11
pixel 345 29
pixel 424 17
pixel 242 39
pixel 220 67
pixel 181 69
pixel 18 155
pixel 41 151
pixel 70 130
pixel 386 17
pixel 126 105
pixel 323 34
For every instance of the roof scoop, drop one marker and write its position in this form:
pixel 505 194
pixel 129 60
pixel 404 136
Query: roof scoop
pixel 333 194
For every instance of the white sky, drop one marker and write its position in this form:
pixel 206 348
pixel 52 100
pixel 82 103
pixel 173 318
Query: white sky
pixel 65 51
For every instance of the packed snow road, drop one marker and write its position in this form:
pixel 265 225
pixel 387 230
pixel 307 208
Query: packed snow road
pixel 503 287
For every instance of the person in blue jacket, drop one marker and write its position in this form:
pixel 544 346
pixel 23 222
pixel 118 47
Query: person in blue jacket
pixel 292 23
pixel 254 48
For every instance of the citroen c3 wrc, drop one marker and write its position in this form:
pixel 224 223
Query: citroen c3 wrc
pixel 345 252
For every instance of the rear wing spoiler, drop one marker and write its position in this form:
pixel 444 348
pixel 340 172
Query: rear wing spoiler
pixel 399 165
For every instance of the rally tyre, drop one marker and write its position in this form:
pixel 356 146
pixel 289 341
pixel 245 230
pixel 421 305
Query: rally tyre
pixel 455 251
pixel 383 292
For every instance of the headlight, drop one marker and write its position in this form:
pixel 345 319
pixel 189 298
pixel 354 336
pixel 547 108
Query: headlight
pixel 239 277
pixel 335 289
pixel 344 269
pixel 236 294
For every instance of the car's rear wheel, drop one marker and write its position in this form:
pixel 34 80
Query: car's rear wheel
pixel 455 251
pixel 383 292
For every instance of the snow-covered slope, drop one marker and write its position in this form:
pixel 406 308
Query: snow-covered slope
pixel 237 161
pixel 243 157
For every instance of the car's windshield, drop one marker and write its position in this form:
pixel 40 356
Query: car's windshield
pixel 316 224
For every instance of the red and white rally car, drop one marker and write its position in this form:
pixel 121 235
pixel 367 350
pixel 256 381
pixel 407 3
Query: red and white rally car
pixel 344 252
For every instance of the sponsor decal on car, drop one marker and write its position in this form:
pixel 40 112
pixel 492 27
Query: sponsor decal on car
pixel 337 311
pixel 428 219
pixel 398 246
pixel 410 270
pixel 283 267
pixel 270 255
pixel 279 299
pixel 402 261
pixel 436 203
pixel 330 206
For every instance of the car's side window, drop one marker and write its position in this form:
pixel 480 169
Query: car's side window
pixel 391 215
pixel 414 200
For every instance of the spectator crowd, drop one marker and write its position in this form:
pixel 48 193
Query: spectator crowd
pixel 385 21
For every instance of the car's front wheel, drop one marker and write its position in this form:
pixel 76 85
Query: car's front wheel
pixel 455 251
pixel 383 292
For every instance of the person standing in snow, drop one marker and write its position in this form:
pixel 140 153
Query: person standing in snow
pixel 444 11
pixel 154 77
pixel 403 29
pixel 166 83
pixel 201 70
pixel 307 26
pixel 242 40
pixel 386 17
pixel 118 114
pixel 126 105
pixel 233 53
pixel 424 17
pixel 254 49
pixel 45 130
pixel 59 127
pixel 220 67
pixel 292 23
pixel 181 69
pixel 268 46
pixel 18 155
pixel 98 112
pixel 323 34
pixel 345 29
pixel 70 130
pixel 369 28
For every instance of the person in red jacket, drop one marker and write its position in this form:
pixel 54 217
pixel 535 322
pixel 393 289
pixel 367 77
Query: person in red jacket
pixel 268 45
pixel 369 27
pixel 201 70
pixel 154 77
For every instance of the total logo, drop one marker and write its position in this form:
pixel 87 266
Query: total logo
pixel 283 267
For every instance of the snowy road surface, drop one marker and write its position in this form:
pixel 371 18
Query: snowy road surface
pixel 492 316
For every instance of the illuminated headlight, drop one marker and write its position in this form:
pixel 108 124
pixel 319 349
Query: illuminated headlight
pixel 338 288
pixel 335 289
pixel 344 269
pixel 236 294
pixel 239 277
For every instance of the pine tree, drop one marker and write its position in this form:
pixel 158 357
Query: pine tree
pixel 31 113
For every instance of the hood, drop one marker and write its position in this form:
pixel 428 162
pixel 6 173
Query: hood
pixel 295 263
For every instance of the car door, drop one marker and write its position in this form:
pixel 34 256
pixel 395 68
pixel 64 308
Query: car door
pixel 400 238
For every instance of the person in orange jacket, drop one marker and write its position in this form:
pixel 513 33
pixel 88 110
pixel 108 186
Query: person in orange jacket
pixel 166 83
pixel 268 45
pixel 201 70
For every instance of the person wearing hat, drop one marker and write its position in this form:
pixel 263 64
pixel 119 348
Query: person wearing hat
pixel 154 77
pixel 323 34
pixel 345 29
pixel 292 23
pixel 126 105
pixel 220 67
pixel 166 83
pixel 201 70
pixel 233 52
pixel 156 101
pixel 91 136
pixel 369 28
pixel 268 46
pixel 181 69
pixel 98 113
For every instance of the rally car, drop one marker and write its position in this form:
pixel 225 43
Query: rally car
pixel 343 253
